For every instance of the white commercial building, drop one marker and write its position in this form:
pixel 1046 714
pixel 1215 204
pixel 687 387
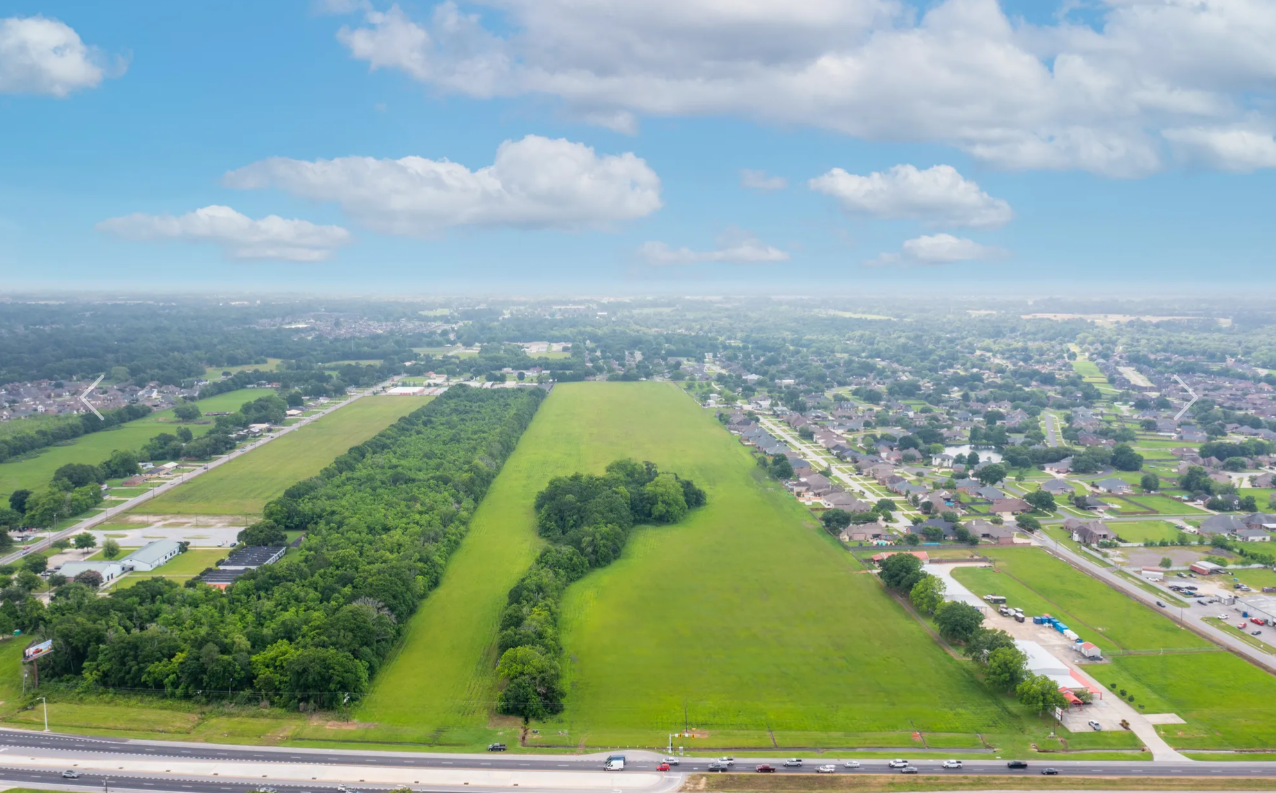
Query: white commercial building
pixel 953 589
pixel 1042 662
pixel 152 555
pixel 108 570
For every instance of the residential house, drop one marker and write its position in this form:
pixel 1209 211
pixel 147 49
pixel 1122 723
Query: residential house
pixel 1090 503
pixel 1113 485
pixel 1058 487
pixel 1259 520
pixel 949 529
pixel 988 493
pixel 991 532
pixel 1009 506
pixel 1088 532
pixel 1223 525
pixel 840 499
pixel 1060 467
pixel 1253 535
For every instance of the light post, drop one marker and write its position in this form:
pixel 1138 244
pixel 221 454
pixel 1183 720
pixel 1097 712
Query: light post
pixel 46 713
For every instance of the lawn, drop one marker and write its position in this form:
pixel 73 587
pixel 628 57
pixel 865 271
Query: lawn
pixel 185 565
pixel 1145 530
pixel 1165 505
pixel 743 618
pixel 214 372
pixel 244 485
pixel 1042 584
pixel 36 471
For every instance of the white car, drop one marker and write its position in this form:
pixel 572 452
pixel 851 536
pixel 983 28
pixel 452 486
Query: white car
pixel 793 762
pixel 1094 725
pixel 727 760
pixel 670 760
pixel 952 764
pixel 897 764
pixel 851 764
pixel 826 769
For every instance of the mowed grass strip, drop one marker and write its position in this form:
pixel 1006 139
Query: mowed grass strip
pixel 1041 584
pixel 746 617
pixel 1145 530
pixel 36 473
pixel 244 485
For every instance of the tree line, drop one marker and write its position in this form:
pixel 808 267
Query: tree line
pixel 382 521
pixel 586 520
pixel 25 442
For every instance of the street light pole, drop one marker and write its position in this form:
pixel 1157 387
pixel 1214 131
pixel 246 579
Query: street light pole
pixel 46 713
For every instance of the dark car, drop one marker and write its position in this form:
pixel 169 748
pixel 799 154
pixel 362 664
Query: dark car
pixel 496 747
pixel 766 769
pixel 1050 771
pixel 1016 764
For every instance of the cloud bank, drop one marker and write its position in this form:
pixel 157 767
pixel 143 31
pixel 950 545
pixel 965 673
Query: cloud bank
pixel 239 236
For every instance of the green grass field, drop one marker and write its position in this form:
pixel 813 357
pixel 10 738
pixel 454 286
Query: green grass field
pixel 214 372
pixel 1145 530
pixel 744 618
pixel 1165 505
pixel 243 486
pixel 36 472
pixel 184 566
pixel 1042 584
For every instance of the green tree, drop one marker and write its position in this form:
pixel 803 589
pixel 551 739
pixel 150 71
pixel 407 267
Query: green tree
pixel 110 549
pixel 18 500
pixel 1167 562
pixel 90 578
pixel 36 563
pixel 1041 500
pixel 1040 693
pixel 263 532
pixel 835 520
pixel 932 533
pixel 912 540
pixel 1126 459
pixel 901 571
pixel 1028 523
pixel 990 475
pixel 667 499
pixel 983 641
pixel 84 540
pixel 1007 668
pixel 188 412
pixel 957 621
pixel 1150 482
pixel 927 595
pixel 781 468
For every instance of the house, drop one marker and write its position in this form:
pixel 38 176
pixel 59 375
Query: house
pixel 1259 520
pixel 840 499
pixel 151 555
pixel 1058 487
pixel 1088 532
pixel 864 532
pixel 905 488
pixel 108 570
pixel 942 460
pixel 1009 506
pixel 817 485
pixel 1253 535
pixel 991 532
pixel 942 501
pixel 1061 467
pixel 1221 525
pixel 988 493
pixel 949 529
pixel 1113 485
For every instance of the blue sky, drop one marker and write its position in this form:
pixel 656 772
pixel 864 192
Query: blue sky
pixel 1066 166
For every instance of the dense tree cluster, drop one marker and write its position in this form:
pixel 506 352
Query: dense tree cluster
pixel 382 521
pixel 586 520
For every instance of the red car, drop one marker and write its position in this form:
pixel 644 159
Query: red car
pixel 1258 620
pixel 766 769
pixel 662 767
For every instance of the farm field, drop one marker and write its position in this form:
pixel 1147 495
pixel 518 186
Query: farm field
pixel 1043 584
pixel 36 472
pixel 243 486
pixel 794 624
pixel 1145 530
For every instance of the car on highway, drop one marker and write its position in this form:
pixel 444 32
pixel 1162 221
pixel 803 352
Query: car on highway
pixel 727 760
pixel 670 760
pixel 1094 725
pixel 1050 771
pixel 897 763
pixel 1159 603
pixel 662 767
pixel 951 764
pixel 496 747
pixel 719 767
pixel 851 764
pixel 908 769
pixel 765 768
pixel 1016 764
pixel 70 774
pixel 793 762
pixel 826 769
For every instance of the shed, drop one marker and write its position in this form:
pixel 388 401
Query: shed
pixel 1205 568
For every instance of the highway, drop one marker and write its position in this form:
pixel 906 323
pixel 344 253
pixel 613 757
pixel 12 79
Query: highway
pixel 34 757
pixel 134 503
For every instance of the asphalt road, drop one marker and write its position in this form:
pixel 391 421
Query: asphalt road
pixel 134 503
pixel 74 747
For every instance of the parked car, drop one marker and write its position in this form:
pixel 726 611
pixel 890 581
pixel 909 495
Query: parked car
pixel 851 764
pixel 1181 575
pixel 662 767
pixel 826 769
pixel 1016 764
pixel 766 769
pixel 952 764
pixel 1241 625
pixel 897 763
pixel 793 762
pixel 70 774
pixel 1050 771
pixel 1094 725
pixel 908 769
pixel 496 747
pixel 1255 633
pixel 718 767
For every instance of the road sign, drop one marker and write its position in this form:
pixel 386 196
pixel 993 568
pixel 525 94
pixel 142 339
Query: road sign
pixel 37 650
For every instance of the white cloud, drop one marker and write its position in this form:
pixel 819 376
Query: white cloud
pixel 738 248
pixel 1057 96
pixel 758 180
pixel 44 56
pixel 533 183
pixel 938 196
pixel 240 236
pixel 938 249
pixel 1237 150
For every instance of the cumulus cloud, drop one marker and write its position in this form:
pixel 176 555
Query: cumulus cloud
pixel 938 196
pixel 739 248
pixel 239 236
pixel 1236 150
pixel 938 249
pixel 45 56
pixel 533 183
pixel 1063 95
pixel 758 180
